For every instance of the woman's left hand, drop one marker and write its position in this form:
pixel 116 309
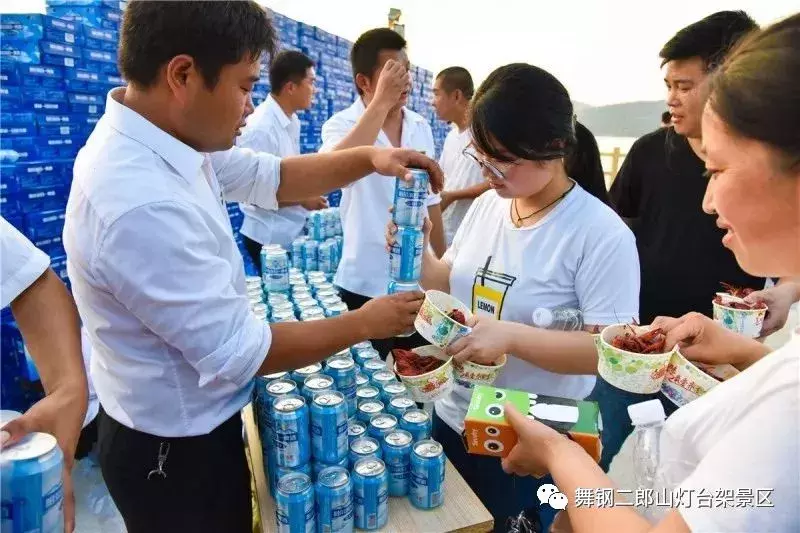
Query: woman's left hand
pixel 487 342
pixel 532 454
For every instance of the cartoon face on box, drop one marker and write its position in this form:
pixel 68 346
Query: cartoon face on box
pixel 487 432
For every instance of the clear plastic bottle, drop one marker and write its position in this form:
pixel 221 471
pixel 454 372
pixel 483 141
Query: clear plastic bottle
pixel 648 421
pixel 558 318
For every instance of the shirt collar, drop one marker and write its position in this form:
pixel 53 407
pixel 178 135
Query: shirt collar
pixel 183 158
pixel 274 107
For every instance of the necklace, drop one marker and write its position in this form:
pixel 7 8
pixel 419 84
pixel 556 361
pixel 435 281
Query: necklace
pixel 521 219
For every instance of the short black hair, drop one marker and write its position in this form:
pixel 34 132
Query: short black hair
pixel 666 117
pixel 457 78
pixel 710 38
pixel 288 65
pixel 215 34
pixel 364 54
pixel 525 110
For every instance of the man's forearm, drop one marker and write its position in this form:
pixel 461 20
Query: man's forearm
pixel 438 242
pixel 50 326
pixel 299 344
pixel 367 128
pixel 435 273
pixel 562 352
pixel 306 176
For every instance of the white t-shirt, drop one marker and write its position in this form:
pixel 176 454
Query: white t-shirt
pixel 364 208
pixel 22 263
pixel 743 435
pixel 270 130
pixel 460 172
pixel 580 255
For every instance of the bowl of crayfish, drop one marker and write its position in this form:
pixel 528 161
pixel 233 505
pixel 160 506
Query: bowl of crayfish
pixel 427 372
pixel 442 319
pixel 633 358
pixel 735 314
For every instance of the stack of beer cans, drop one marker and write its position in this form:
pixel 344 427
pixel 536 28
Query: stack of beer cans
pixel 405 255
pixel 321 248
pixel 342 437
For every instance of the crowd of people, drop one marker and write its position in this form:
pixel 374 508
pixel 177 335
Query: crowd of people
pixel 519 218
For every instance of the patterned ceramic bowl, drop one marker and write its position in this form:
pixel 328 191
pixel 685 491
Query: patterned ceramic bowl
pixel 433 323
pixel 685 381
pixel 746 322
pixel 633 372
pixel 432 385
pixel 469 374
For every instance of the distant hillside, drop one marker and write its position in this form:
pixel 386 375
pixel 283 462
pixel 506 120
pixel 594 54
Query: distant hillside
pixel 631 119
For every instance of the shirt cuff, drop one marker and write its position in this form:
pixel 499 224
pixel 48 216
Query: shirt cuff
pixel 16 284
pixel 434 199
pixel 240 357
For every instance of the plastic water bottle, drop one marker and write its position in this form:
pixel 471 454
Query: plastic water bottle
pixel 648 421
pixel 558 318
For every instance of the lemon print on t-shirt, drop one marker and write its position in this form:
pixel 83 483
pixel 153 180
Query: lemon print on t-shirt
pixel 489 291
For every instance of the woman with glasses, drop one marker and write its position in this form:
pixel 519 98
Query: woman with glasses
pixel 535 242
pixel 729 460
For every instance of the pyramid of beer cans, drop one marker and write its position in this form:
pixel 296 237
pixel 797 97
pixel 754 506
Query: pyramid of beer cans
pixel 408 214
pixel 342 437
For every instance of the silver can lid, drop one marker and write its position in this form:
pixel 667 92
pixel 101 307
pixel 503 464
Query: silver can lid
pixel 294 483
pixel 316 368
pixel 372 406
pixel 383 375
pixel 32 446
pixel 364 446
pixel 289 404
pixel 398 437
pixel 319 382
pixel 383 422
pixel 329 398
pixel 333 477
pixel 281 386
pixel 367 391
pixel 356 427
pixel 403 402
pixel 361 379
pixel 276 375
pixel 341 362
pixel 370 467
pixel 428 448
pixel 395 388
pixel 374 364
pixel 416 416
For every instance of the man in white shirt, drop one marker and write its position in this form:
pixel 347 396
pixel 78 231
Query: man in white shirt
pixel 49 323
pixel 452 93
pixel 274 128
pixel 158 278
pixel 378 117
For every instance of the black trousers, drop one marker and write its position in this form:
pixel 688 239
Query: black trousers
pixel 254 251
pixel 206 488
pixel 384 346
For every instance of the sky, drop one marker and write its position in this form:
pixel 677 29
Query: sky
pixel 604 51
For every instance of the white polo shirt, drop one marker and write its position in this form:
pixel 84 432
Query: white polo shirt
pixel 157 276
pixel 364 208
pixel 460 172
pixel 21 263
pixel 270 130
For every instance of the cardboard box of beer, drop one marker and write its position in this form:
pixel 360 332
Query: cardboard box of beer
pixel 486 431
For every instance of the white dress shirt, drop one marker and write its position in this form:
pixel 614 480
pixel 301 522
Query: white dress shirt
pixel 364 208
pixel 460 172
pixel 157 276
pixel 270 130
pixel 21 263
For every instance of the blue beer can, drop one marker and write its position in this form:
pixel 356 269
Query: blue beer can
pixel 325 257
pixel 368 409
pixel 310 261
pixel 322 285
pixel 329 301
pixel 363 447
pixel 295 506
pixel 371 366
pixel 325 292
pixel 316 226
pixel 336 309
pixel 298 281
pixel 334 490
pixel 283 316
pixel 304 303
pixel 361 355
pixel 318 466
pixel 356 429
pixel 260 387
pixel 426 490
pixel 360 346
pixel 291 432
pixel 297 252
pixel 277 298
pixel 329 442
pixel 301 291
pixel 295 271
pixel 379 378
pixel 405 255
pixel 316 384
pixel 330 222
pixel 32 493
pixel 398 407
pixel 343 371
pixel 391 390
pixel 280 471
pixel 381 425
pixel 361 379
pixel 275 389
pixel 370 494
pixel 312 313
pixel 395 287
pixel 397 456
pixel 275 266
pixel 299 375
pixel 366 393
pixel 418 423
pixel 410 200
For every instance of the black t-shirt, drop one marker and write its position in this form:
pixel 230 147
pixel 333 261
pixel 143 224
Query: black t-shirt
pixel 661 185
